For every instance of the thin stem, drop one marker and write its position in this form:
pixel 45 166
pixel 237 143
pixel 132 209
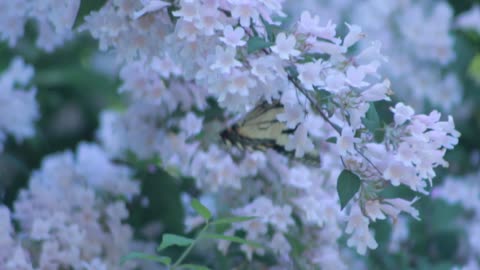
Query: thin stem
pixel 367 159
pixel 187 251
pixel 319 110
pixel 315 105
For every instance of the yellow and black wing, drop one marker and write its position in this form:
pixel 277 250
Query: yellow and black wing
pixel 260 130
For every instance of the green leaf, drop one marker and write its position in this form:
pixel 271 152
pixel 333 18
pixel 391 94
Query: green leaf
pixel 231 239
pixel 148 257
pixel 174 240
pixel 379 135
pixel 230 220
pixel 257 43
pixel 348 185
pixel 193 267
pixel 201 209
pixel 371 120
pixel 322 96
pixel 271 29
pixel 298 247
pixel 332 140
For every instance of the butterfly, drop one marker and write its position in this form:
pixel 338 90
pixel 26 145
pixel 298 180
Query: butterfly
pixel 260 130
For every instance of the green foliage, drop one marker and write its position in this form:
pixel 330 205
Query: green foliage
pixel 230 220
pixel 257 43
pixel 201 210
pixel 348 185
pixel 144 256
pixel 174 240
pixel 371 121
pixel 169 240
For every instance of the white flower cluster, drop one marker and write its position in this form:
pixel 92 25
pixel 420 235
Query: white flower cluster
pixel 71 215
pixel 18 107
pixel 417 38
pixel 211 46
pixel 54 20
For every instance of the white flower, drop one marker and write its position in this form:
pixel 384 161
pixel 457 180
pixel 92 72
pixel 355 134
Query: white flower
pixel 378 91
pixel 355 77
pixel 208 20
pixel 407 154
pixel 150 6
pixel 356 221
pixel 373 210
pixel 18 107
pixel 346 141
pixel 309 74
pixel 165 67
pixel 285 46
pixel 335 82
pixel 253 162
pixel 187 30
pixel 280 217
pixel 267 68
pixel 402 113
pixel 188 10
pixel 361 240
pixel 396 172
pixel 404 206
pixel 245 11
pixel 299 177
pixel 225 59
pixel 241 82
pixel 233 37
pixel 354 35
pixel 308 23
pixel 371 53
pixel 299 142
pixel 292 115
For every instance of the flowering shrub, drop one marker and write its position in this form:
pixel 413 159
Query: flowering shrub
pixel 356 155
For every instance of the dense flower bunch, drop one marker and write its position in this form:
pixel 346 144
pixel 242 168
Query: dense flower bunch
pixel 18 107
pixel 175 56
pixel 54 21
pixel 326 89
pixel 416 37
pixel 418 40
pixel 71 215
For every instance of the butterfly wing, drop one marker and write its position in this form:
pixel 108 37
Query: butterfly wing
pixel 260 130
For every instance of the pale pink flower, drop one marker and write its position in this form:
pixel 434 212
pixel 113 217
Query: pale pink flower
pixel 299 142
pixel 225 59
pixel 285 46
pixel 233 37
